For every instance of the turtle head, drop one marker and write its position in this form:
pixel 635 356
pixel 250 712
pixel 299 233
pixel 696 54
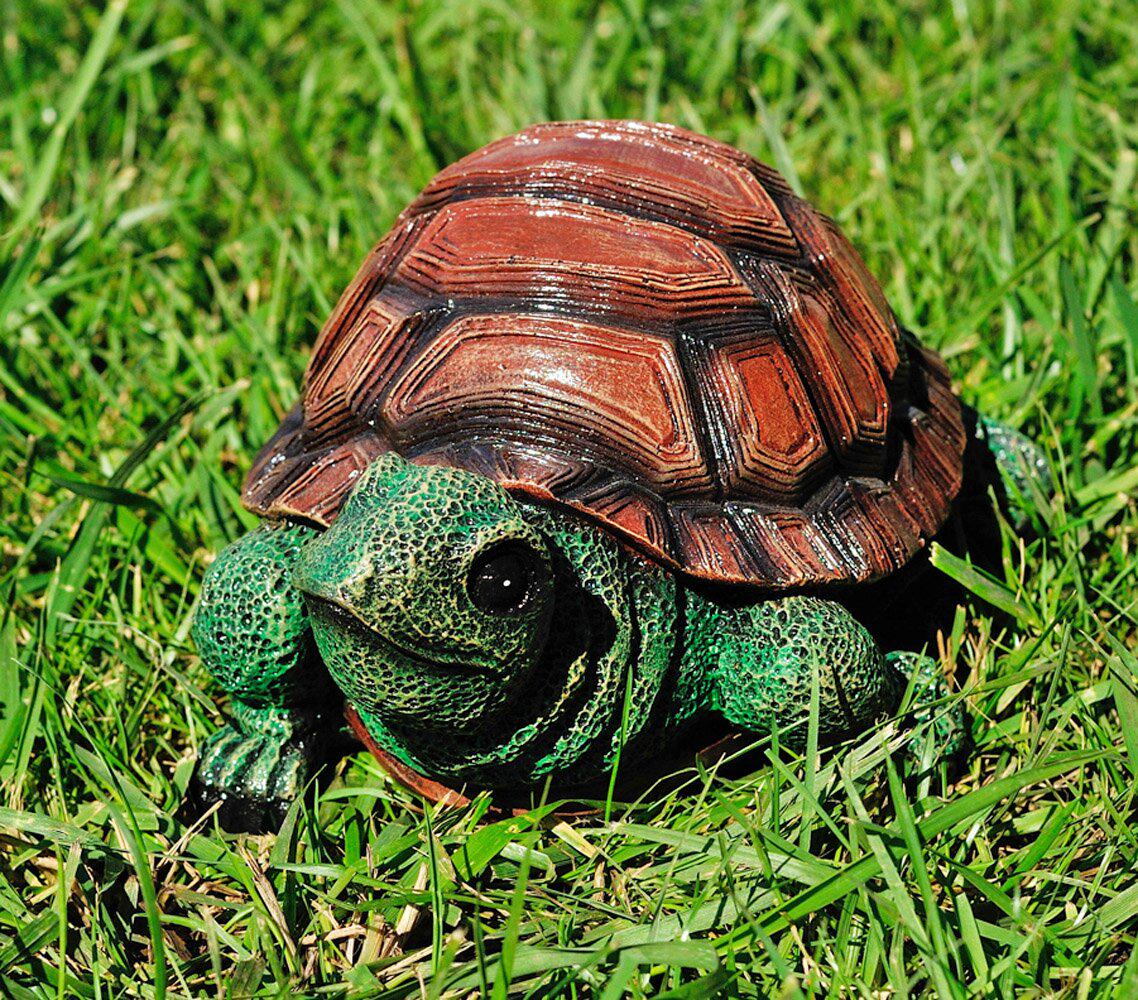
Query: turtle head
pixel 430 596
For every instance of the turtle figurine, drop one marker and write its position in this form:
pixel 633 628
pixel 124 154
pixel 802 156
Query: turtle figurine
pixel 597 444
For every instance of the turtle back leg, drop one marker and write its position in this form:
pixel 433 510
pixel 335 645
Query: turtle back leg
pixel 252 632
pixel 765 660
pixel 1025 476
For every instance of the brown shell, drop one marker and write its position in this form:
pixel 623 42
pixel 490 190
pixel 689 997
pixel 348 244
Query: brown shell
pixel 647 326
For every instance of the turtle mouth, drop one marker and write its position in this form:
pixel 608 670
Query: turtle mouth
pixel 344 618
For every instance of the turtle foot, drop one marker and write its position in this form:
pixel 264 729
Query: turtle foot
pixel 1023 467
pixel 255 778
pixel 943 734
pixel 236 813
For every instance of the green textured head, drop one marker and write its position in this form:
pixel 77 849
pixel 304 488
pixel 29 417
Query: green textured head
pixel 430 596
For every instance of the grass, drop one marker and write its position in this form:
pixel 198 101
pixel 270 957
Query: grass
pixel 186 185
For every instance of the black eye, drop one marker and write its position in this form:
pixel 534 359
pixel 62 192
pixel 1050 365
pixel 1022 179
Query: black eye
pixel 502 578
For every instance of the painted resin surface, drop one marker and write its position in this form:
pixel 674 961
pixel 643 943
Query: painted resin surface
pixel 592 448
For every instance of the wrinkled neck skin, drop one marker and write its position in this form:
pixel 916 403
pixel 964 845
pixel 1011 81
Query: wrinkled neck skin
pixel 602 681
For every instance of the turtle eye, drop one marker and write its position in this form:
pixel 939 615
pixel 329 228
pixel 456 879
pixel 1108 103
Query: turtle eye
pixel 503 577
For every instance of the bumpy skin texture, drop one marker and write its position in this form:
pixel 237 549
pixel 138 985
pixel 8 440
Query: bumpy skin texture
pixel 1023 466
pixel 763 658
pixel 253 634
pixel 466 695
pixel 252 627
pixel 607 653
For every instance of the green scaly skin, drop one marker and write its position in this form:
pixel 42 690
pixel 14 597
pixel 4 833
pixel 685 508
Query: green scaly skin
pixel 378 609
pixel 1023 467
pixel 252 631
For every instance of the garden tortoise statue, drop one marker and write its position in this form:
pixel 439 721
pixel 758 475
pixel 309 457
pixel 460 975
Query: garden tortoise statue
pixel 594 445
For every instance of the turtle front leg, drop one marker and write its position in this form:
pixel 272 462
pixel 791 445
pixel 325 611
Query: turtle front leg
pixel 765 657
pixel 252 631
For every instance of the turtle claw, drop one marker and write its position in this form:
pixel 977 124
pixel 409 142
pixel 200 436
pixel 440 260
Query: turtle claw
pixel 255 778
pixel 235 812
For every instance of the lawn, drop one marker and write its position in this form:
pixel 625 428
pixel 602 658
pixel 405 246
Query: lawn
pixel 186 186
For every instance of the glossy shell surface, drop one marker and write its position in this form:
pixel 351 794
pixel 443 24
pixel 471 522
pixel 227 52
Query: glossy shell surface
pixel 647 326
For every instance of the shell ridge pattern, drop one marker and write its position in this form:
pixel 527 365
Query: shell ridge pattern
pixel 262 488
pixel 510 408
pixel 631 182
pixel 779 302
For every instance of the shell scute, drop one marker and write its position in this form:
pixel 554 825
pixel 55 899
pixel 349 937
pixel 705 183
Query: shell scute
pixel 651 172
pixel 559 256
pixel 612 395
pixel 768 437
